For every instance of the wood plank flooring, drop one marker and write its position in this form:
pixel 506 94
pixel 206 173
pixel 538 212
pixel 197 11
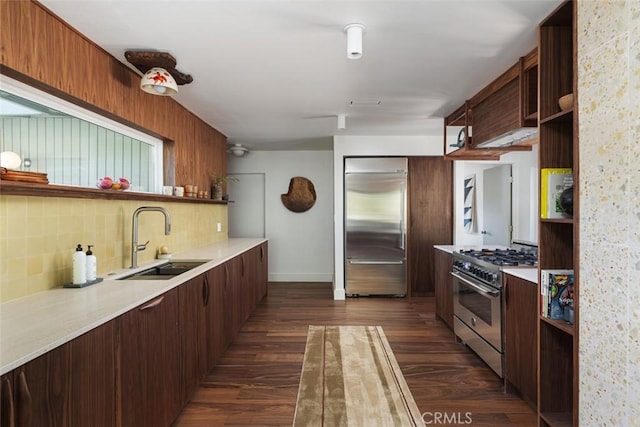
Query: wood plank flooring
pixel 256 381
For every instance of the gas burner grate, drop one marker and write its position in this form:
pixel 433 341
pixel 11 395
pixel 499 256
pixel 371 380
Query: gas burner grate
pixel 503 257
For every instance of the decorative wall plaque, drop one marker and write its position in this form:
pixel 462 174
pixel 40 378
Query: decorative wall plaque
pixel 301 195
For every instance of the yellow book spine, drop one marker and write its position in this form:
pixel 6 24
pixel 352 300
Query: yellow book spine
pixel 550 180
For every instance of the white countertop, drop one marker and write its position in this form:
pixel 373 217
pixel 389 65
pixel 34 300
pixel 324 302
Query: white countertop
pixel 529 274
pixel 32 325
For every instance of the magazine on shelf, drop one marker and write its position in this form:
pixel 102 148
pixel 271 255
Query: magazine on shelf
pixel 557 292
pixel 553 181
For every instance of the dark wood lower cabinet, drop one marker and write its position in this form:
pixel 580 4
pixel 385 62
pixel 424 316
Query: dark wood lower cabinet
pixel 150 354
pixel 444 286
pixel 141 368
pixel 263 272
pixel 93 377
pixel 7 403
pixel 72 385
pixel 215 315
pixel 194 298
pixel 521 372
pixel 41 390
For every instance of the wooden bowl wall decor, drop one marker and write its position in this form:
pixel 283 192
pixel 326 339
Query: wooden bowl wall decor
pixel 301 195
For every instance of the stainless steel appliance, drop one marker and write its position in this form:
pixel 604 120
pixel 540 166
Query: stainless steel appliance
pixel 375 191
pixel 477 301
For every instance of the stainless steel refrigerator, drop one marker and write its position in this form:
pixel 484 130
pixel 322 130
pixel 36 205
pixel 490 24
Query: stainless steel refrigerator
pixel 375 203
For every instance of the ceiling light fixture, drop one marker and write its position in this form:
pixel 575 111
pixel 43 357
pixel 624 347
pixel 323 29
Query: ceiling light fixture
pixel 160 76
pixel 238 150
pixel 354 40
pixel 342 121
pixel 158 81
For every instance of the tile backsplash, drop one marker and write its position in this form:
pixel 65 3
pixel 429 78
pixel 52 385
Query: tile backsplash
pixel 39 234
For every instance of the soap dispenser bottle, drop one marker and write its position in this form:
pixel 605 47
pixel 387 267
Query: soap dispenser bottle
pixel 91 265
pixel 79 266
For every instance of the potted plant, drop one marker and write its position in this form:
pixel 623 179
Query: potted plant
pixel 216 184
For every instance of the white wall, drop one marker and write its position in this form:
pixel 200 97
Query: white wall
pixel 345 146
pixel 300 244
pixel 310 246
pixel 524 197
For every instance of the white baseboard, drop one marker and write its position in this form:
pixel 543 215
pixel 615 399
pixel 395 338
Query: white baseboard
pixel 339 294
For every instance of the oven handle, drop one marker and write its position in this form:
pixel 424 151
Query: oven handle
pixel 481 289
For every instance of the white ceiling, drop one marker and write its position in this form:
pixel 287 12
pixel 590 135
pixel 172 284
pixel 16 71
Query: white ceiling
pixel 274 74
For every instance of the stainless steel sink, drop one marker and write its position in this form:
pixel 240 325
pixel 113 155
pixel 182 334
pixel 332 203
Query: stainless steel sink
pixel 165 271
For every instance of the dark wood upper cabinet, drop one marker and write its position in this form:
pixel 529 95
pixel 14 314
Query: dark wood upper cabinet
pixel 501 118
pixel 509 103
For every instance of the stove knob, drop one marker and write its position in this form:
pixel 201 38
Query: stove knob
pixel 494 277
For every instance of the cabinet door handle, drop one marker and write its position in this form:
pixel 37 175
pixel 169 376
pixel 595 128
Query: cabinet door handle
pixel 226 277
pixel 506 292
pixel 205 290
pixel 25 404
pixel 152 304
pixel 261 253
pixel 8 411
pixel 242 265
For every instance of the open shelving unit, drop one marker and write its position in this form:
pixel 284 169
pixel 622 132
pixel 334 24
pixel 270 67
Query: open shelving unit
pixel 558 238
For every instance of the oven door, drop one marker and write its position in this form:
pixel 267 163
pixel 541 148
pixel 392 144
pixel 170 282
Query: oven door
pixel 479 307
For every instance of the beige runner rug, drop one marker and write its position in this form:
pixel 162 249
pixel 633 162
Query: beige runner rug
pixel 350 377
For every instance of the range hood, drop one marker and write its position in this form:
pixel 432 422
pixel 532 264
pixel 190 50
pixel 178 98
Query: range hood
pixel 510 138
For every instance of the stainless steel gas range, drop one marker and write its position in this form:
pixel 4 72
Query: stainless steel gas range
pixel 478 304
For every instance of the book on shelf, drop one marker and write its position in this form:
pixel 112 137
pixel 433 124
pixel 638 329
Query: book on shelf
pixel 556 293
pixel 553 181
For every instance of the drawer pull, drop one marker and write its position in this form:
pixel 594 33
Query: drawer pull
pixel 25 404
pixel 152 304
pixel 8 411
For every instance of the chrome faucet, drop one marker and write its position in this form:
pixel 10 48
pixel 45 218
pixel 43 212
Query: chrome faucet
pixel 135 247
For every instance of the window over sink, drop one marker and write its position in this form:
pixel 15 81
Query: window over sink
pixel 72 145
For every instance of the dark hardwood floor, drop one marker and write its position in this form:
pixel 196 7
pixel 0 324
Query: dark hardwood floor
pixel 256 381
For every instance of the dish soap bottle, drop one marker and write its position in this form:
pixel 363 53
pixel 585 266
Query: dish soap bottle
pixel 79 266
pixel 91 265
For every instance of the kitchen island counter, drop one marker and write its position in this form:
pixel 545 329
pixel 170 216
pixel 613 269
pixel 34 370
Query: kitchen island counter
pixel 35 324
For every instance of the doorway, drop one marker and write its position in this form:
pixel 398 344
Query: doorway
pixel 496 210
pixel 246 212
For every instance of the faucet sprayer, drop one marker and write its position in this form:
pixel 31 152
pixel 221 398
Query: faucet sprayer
pixel 135 247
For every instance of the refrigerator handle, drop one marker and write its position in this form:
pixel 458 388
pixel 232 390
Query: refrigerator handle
pixel 403 214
